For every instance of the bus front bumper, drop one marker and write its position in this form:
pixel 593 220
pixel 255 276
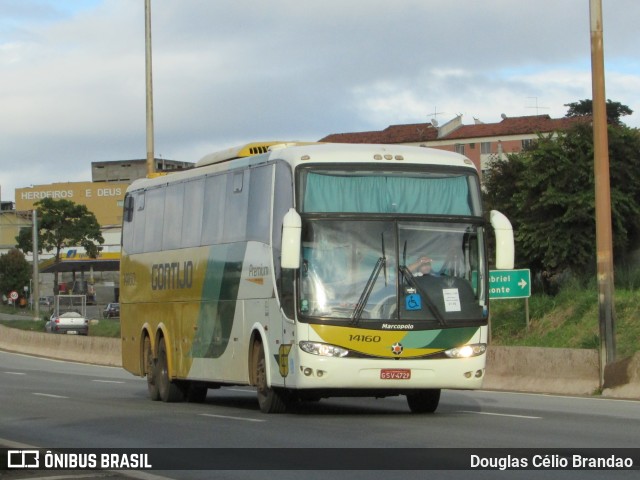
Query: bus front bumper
pixel 318 372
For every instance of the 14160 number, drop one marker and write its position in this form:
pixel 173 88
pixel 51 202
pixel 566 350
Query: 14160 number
pixel 365 338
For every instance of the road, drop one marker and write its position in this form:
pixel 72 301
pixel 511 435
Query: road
pixel 53 404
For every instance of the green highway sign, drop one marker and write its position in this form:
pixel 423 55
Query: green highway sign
pixel 510 283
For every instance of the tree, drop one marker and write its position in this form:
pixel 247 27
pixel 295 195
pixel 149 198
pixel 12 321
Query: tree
pixel 62 223
pixel 15 271
pixel 548 193
pixel 584 108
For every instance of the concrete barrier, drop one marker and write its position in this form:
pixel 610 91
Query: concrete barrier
pixel 77 348
pixel 543 370
pixel 561 371
pixel 622 378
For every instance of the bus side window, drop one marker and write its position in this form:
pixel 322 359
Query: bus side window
pixel 286 292
pixel 282 202
pixel 138 224
pixel 259 208
pixel 128 208
pixel 128 225
pixel 192 213
pixel 154 221
pixel 173 213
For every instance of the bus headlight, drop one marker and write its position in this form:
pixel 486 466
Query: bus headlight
pixel 323 349
pixel 466 351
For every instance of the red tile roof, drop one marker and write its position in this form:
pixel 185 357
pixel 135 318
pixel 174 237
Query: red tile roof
pixel 421 132
pixel 415 132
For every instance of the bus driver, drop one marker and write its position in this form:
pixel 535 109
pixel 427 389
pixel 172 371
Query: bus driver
pixel 423 266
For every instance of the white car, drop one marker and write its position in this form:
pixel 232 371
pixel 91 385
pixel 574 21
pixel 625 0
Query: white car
pixel 71 323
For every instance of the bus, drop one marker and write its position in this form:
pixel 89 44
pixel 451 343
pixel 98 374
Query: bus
pixel 298 269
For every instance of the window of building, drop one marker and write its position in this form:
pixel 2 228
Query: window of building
pixel 527 143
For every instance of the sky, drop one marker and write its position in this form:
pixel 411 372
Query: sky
pixel 72 72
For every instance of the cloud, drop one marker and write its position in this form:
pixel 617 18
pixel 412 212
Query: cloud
pixel 72 72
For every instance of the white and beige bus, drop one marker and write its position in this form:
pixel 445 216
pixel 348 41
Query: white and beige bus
pixel 301 269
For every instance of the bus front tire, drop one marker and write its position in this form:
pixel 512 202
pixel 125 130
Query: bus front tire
pixel 150 371
pixel 424 401
pixel 269 399
pixel 169 391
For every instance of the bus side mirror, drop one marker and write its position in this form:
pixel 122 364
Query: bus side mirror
pixel 291 239
pixel 505 249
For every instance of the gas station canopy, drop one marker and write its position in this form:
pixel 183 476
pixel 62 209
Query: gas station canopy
pixel 73 261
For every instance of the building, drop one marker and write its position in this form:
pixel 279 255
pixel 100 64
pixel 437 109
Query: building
pixel 104 200
pixel 104 197
pixel 10 225
pixel 130 170
pixel 481 142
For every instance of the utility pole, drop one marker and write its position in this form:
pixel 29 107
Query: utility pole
pixel 35 292
pixel 149 88
pixel 604 242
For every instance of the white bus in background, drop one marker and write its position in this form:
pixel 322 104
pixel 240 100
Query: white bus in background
pixel 295 268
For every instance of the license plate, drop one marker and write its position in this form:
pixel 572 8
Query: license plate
pixel 72 332
pixel 395 374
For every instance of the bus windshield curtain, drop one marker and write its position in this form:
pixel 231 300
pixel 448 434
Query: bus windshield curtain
pixel 387 194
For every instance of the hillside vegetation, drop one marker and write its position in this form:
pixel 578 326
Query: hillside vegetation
pixel 569 319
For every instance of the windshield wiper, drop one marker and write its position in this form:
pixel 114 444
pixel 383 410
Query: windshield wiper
pixel 406 273
pixel 362 301
pixel 364 296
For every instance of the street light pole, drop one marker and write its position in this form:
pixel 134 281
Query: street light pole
pixel 35 292
pixel 604 242
pixel 149 88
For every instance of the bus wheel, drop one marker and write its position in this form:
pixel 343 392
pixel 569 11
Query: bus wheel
pixel 424 401
pixel 169 391
pixel 150 371
pixel 270 400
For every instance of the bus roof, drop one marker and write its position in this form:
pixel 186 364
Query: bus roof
pixel 292 152
pixel 300 153
pixel 246 150
pixel 390 154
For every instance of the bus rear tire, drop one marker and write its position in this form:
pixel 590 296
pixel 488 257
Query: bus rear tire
pixel 150 370
pixel 424 401
pixel 169 391
pixel 269 399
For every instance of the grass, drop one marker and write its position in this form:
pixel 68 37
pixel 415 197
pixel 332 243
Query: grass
pixel 569 319
pixel 103 328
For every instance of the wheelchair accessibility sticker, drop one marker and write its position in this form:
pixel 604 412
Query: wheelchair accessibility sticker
pixel 413 301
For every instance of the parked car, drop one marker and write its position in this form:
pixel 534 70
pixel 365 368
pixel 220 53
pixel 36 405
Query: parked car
pixel 46 302
pixel 71 323
pixel 112 310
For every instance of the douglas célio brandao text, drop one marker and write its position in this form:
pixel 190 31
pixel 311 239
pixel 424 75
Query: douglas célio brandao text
pixel 550 462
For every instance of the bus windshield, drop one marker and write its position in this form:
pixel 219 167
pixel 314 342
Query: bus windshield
pixel 374 253
pixel 447 192
pixel 393 271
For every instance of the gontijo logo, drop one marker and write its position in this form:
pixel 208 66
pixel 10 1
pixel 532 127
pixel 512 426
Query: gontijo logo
pixel 170 276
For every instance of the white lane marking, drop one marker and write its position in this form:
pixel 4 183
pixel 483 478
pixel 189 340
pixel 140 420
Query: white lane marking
pixel 49 395
pixel 252 392
pixel 15 373
pixel 501 414
pixel 107 381
pixel 226 417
